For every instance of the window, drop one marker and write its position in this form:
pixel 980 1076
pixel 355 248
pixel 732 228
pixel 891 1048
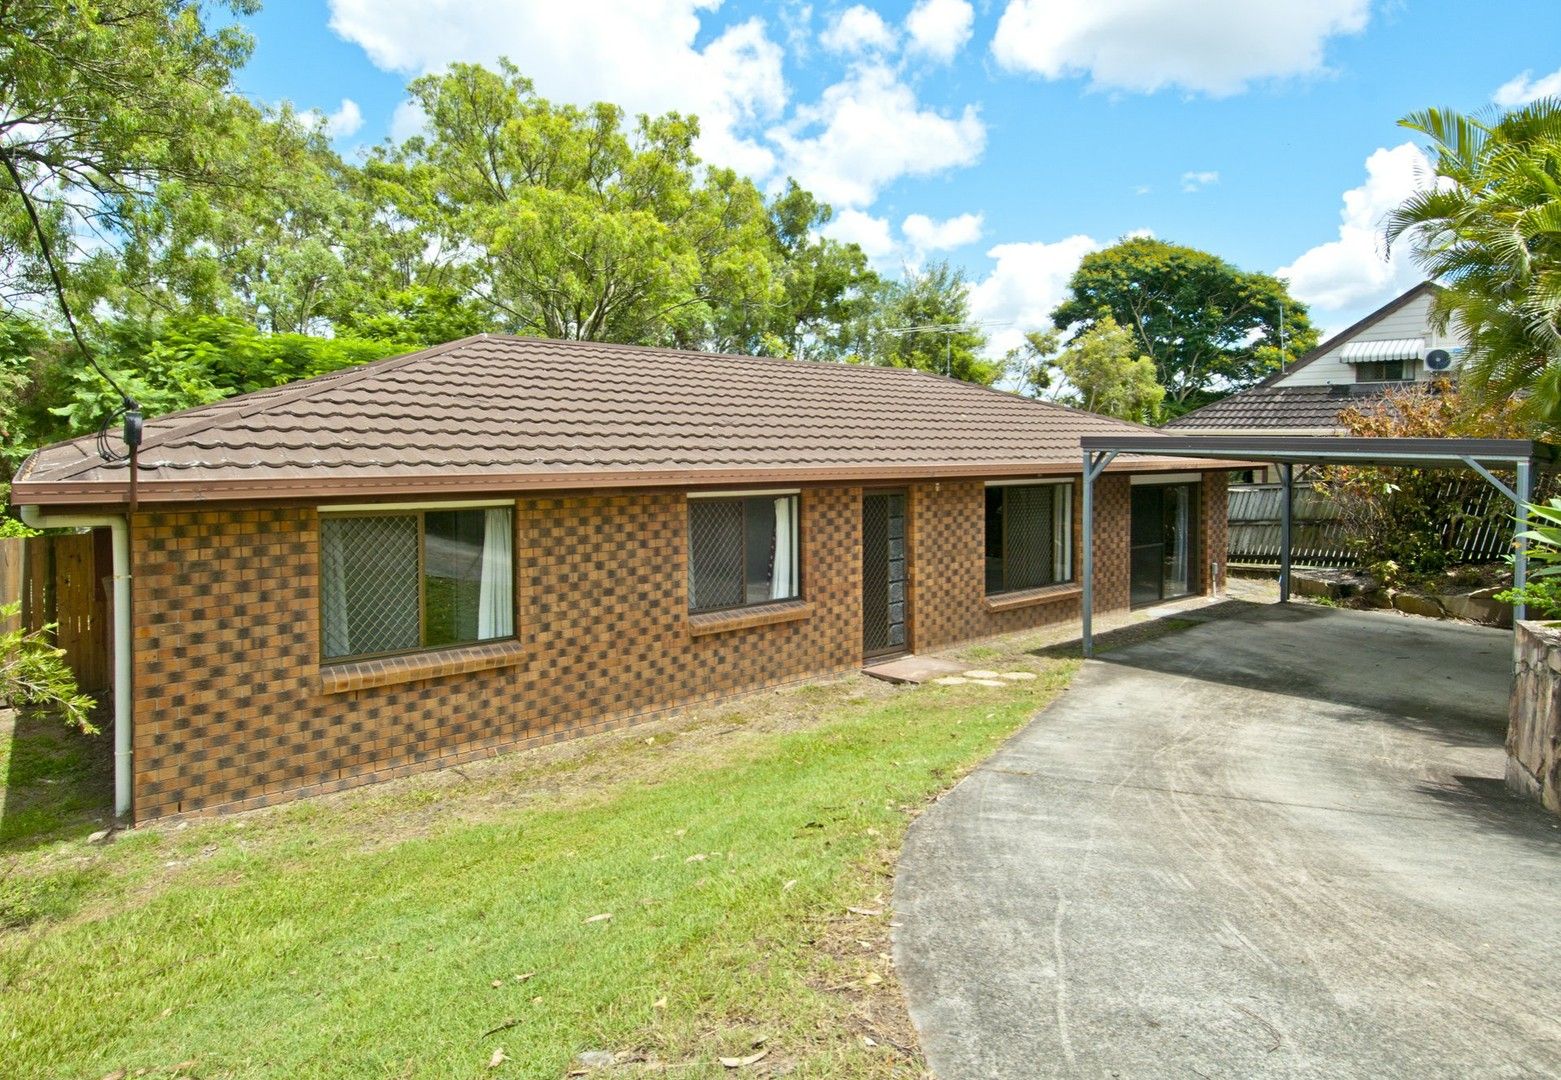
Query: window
pixel 1380 371
pixel 1029 536
pixel 742 551
pixel 416 579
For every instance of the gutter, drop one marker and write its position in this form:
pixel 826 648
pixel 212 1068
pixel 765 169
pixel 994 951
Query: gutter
pixel 119 526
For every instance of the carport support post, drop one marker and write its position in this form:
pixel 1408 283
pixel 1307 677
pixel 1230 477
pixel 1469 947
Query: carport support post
pixel 1094 465
pixel 1286 514
pixel 1525 495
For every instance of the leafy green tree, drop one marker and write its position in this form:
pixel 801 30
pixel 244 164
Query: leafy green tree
pixel 575 228
pixel 1101 370
pixel 824 288
pixel 1209 327
pixel 923 321
pixel 1490 230
pixel 102 102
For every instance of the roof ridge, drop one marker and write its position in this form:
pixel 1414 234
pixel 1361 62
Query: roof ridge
pixel 278 395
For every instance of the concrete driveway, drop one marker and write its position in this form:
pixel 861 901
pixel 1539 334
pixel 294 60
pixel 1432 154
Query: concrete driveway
pixel 1275 844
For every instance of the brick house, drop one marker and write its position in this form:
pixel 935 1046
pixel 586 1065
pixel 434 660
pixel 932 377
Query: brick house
pixel 501 542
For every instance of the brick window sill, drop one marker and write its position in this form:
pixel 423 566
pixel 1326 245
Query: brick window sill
pixel 721 622
pixel 362 674
pixel 1031 597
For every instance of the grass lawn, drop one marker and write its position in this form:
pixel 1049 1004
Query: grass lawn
pixel 455 924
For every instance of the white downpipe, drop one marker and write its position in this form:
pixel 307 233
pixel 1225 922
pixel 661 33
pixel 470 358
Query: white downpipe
pixel 120 530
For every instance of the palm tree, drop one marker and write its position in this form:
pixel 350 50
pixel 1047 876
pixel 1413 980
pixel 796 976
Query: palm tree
pixel 1489 229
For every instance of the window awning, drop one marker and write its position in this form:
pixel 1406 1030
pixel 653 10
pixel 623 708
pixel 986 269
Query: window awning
pixel 1367 352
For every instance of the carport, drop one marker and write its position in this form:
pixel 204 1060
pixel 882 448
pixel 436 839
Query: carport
pixel 1487 457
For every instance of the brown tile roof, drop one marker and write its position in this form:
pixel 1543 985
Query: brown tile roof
pixel 1278 408
pixel 500 413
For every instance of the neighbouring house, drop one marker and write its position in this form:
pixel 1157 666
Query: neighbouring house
pixel 502 542
pixel 1394 346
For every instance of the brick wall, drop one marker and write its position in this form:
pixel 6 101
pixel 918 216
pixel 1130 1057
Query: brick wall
pixel 1214 529
pixel 948 564
pixel 233 707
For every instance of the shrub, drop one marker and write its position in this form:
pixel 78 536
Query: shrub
pixel 1542 592
pixel 33 674
pixel 1404 523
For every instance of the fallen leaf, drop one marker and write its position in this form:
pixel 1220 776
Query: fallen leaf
pixel 871 913
pixel 869 1042
pixel 873 979
pixel 498 1058
pixel 526 977
pixel 603 917
pixel 183 1066
pixel 738 1063
pixel 792 884
pixel 166 1013
pixel 536 1001
pixel 660 1003
pixel 696 858
pixel 497 983
pixel 117 1074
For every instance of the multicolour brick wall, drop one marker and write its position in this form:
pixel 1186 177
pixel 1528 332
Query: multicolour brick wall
pixel 234 709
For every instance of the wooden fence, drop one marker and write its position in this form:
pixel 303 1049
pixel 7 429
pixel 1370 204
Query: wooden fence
pixel 64 578
pixel 1320 538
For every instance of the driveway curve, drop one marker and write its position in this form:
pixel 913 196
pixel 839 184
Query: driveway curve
pixel 1275 844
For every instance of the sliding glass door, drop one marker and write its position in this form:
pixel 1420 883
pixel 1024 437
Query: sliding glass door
pixel 1164 542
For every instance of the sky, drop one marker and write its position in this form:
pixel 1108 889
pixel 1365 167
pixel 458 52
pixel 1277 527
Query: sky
pixel 1010 137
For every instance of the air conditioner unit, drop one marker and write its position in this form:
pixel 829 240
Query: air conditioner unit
pixel 1438 360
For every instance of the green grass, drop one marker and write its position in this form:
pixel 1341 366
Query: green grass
pixel 363 935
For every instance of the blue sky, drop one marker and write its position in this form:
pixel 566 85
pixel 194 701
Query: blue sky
pixel 1010 136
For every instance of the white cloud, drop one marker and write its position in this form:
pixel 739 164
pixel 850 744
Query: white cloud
pixel 924 234
pixel 1524 88
pixel 1029 280
pixel 939 28
pixel 869 130
pixel 857 29
pixel 640 54
pixel 1197 181
pixel 870 233
pixel 345 121
pixel 409 119
pixel 1353 273
pixel 1214 47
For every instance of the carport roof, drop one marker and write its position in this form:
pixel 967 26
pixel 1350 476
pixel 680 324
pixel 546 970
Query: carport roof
pixel 1332 450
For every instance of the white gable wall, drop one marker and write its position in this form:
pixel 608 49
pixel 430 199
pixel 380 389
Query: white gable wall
pixel 1410 321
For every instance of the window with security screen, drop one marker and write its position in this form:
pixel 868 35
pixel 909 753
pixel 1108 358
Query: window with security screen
pixel 419 579
pixel 742 550
pixel 1029 536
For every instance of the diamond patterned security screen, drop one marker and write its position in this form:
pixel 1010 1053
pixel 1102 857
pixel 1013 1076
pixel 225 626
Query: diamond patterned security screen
pixel 715 554
pixel 369 585
pixel 1028 542
pixel 883 572
pixel 742 551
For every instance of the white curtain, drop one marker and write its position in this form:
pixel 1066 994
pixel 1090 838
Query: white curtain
pixel 496 592
pixel 1180 570
pixel 333 581
pixel 784 582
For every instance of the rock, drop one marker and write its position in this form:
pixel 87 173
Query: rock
pixel 1017 676
pixel 102 836
pixel 981 674
pixel 597 1059
pixel 1415 604
pixel 988 682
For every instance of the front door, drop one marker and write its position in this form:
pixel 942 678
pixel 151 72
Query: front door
pixel 1164 541
pixel 883 572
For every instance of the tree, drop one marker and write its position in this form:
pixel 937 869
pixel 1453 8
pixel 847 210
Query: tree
pixel 102 102
pixel 1102 370
pixel 1490 229
pixel 923 321
pixel 575 228
pixel 1209 327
